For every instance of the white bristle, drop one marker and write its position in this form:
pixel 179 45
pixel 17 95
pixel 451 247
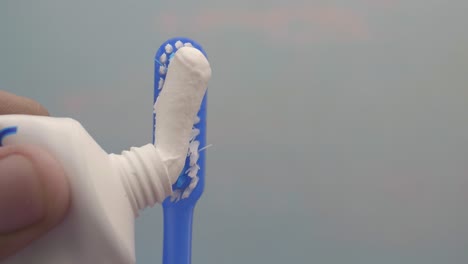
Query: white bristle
pixel 188 44
pixel 190 188
pixel 197 120
pixel 194 158
pixel 193 183
pixel 175 196
pixel 194 155
pixel 193 147
pixel 194 134
pixel 193 171
pixel 163 58
pixel 179 44
pixel 162 70
pixel 154 107
pixel 205 147
pixel 186 193
pixel 160 83
pixel 168 48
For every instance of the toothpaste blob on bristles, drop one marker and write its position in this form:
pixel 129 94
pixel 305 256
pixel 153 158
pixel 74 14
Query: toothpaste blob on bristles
pixel 184 77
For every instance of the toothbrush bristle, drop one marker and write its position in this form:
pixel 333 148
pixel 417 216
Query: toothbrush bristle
pixel 179 44
pixel 168 48
pixel 189 179
pixel 197 120
pixel 162 70
pixel 194 134
pixel 160 83
pixel 163 58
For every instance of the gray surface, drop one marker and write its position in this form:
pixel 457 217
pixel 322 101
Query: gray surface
pixel 343 139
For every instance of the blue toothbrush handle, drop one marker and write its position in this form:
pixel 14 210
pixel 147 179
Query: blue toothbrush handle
pixel 178 212
pixel 177 235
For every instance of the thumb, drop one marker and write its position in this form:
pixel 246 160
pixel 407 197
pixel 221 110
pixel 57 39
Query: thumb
pixel 34 196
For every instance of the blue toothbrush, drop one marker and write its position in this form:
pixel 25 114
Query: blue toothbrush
pixel 178 209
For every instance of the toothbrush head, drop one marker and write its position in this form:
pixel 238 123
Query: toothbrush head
pixel 189 186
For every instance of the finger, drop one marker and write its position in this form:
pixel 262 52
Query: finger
pixel 14 104
pixel 34 196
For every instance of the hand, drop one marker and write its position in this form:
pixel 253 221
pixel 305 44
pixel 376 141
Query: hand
pixel 34 192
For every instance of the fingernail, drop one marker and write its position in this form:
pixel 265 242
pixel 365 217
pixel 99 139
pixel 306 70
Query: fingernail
pixel 21 196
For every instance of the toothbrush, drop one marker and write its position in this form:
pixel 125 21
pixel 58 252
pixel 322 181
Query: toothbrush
pixel 179 208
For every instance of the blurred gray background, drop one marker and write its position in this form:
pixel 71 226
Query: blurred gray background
pixel 340 128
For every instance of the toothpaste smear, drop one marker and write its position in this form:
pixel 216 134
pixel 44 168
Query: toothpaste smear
pixel 192 171
pixel 194 150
